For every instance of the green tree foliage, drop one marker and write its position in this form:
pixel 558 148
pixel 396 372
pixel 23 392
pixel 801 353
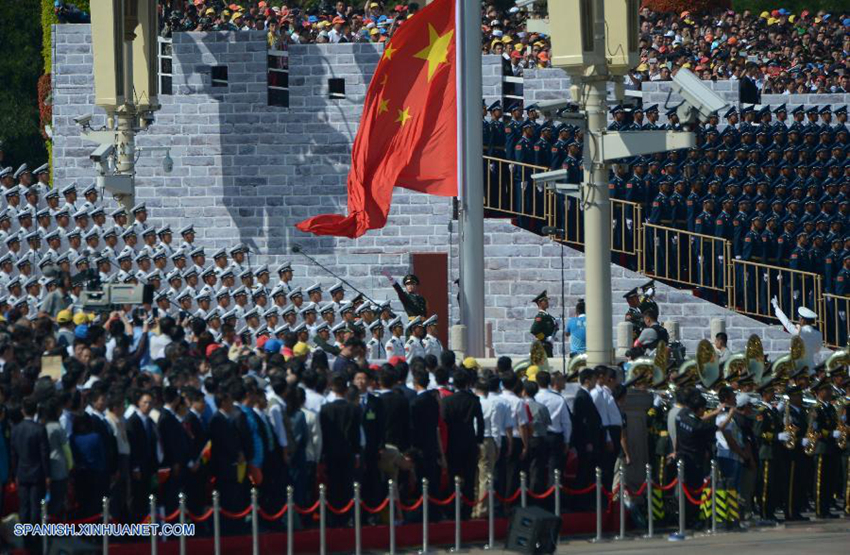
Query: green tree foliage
pixel 21 66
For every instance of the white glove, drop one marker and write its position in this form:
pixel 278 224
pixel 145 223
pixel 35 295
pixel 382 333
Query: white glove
pixel 783 436
pixel 779 277
pixel 842 314
pixel 765 278
pixel 614 223
pixel 774 301
pixel 492 166
pixel 675 240
pixel 836 434
pixel 796 295
pixel 720 259
pixel 699 259
pixel 628 223
pixel 806 442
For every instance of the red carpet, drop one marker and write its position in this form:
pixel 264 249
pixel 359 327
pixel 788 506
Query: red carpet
pixel 373 537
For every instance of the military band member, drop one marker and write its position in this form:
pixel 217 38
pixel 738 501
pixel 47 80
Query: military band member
pixel 827 462
pixel 768 429
pixel 544 325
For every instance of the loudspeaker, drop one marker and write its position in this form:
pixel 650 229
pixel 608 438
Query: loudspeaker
pixel 533 530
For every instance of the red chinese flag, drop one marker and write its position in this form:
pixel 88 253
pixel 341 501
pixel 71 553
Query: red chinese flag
pixel 408 132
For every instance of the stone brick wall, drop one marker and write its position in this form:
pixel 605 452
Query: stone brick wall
pixel 245 171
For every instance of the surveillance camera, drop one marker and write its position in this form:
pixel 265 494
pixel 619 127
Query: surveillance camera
pixel 147 119
pixel 83 121
pixel 700 101
pixel 167 162
pixel 102 153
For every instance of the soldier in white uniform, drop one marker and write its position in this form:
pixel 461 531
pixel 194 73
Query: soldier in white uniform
pixel 165 236
pixel 375 348
pixel 413 347
pixel 272 317
pixel 69 193
pixel 237 254
pixel 431 342
pixel 203 300
pixel 220 261
pixel 51 197
pixel 90 196
pixel 5 224
pixel 395 344
pixel 284 272
pixel 187 233
pixel 240 298
pixel 337 293
pixel 140 215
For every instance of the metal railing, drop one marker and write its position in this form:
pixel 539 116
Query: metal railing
pixel 685 257
pixel 836 330
pixel 756 285
pixel 566 213
pixel 508 189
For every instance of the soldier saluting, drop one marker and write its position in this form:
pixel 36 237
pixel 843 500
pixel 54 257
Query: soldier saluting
pixel 544 325
pixel 414 304
pixel 634 314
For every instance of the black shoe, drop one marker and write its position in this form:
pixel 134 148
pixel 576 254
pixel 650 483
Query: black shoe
pixel 798 518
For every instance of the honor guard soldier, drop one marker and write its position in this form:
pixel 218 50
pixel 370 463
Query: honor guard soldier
pixel 544 325
pixel 543 147
pixel 414 304
pixel 433 346
pixel 413 347
pixel 375 349
pixel 395 344
pixel 513 129
pixel 337 292
pixel 498 136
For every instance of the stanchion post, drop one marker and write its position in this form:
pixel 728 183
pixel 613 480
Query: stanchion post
pixel 713 496
pixel 323 525
pixel 622 494
pixel 255 524
pixel 491 514
pixel 598 537
pixel 558 502
pixel 290 520
pixel 357 525
pixel 523 489
pixel 152 499
pixel 650 520
pixel 391 506
pixel 44 523
pixel 458 501
pixel 424 550
pixel 680 467
pixel 217 522
pixel 106 518
pixel 181 499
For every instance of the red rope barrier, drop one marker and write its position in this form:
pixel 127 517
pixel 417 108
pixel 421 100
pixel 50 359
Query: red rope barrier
pixel 89 519
pixel 408 508
pixel 588 489
pixel 472 502
pixel 510 499
pixel 703 486
pixel 691 500
pixel 308 510
pixel 341 511
pixel 640 490
pixel 669 486
pixel 444 502
pixel 377 509
pixel 240 514
pixel 266 516
pixel 543 495
pixel 200 518
pixel 173 516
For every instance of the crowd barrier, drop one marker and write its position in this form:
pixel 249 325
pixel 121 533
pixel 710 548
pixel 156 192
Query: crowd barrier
pixel 509 190
pixel 836 315
pixel 701 497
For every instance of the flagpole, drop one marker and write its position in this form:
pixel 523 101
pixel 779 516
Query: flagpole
pixel 470 175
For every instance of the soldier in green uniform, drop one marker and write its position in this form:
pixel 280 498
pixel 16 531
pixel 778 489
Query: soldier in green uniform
pixel 646 302
pixel 827 456
pixel 633 314
pixel 414 304
pixel 768 426
pixel 544 325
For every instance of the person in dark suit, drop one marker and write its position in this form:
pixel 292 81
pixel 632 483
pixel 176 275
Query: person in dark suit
pixel 196 476
pixel 226 454
pixel 175 447
pixel 96 408
pixel 374 423
pixel 402 369
pixel 397 411
pixel 340 423
pixel 144 444
pixel 749 91
pixel 425 420
pixel 31 461
pixel 465 423
pixel 587 434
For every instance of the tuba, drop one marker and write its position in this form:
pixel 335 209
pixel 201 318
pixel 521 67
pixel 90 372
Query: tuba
pixel 785 366
pixel 840 358
pixel 702 368
pixel 575 365
pixel 649 370
pixel 751 361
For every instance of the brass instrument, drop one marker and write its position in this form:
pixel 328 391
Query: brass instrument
pixel 575 365
pixel 702 368
pixel 843 428
pixel 811 433
pixel 785 366
pixel 790 428
pixel 841 357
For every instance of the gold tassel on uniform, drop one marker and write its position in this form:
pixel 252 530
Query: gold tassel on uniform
pixel 764 490
pixel 791 490
pixel 817 486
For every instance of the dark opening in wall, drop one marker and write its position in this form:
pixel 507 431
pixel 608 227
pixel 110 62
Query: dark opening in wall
pixel 336 87
pixel 219 76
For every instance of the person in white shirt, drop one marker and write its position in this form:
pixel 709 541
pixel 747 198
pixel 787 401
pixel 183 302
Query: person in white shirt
pixel 495 417
pixel 560 430
pixel 313 398
pixel 520 432
pixel 276 409
pixel 811 336
pixel 612 422
pixel 721 340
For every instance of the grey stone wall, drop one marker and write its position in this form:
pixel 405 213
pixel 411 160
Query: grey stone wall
pixel 245 171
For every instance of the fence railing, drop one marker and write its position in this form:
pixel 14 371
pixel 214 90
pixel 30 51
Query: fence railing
pixel 685 257
pixel 509 190
pixel 566 213
pixel 837 320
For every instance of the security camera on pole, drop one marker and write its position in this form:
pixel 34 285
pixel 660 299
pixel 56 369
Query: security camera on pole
pixel 596 41
pixel 124 46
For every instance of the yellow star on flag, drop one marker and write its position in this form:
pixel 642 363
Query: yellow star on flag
pixel 383 105
pixel 437 50
pixel 403 116
pixel 389 51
